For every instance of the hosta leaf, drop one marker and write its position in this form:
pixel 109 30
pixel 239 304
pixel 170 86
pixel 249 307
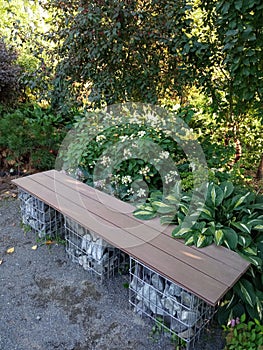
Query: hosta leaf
pixel 219 236
pixel 215 195
pixel 254 260
pixel 201 241
pixel 239 200
pixel 230 238
pixel 244 241
pixel 250 250
pixel 163 208
pixel 227 188
pixel 247 292
pixel 180 232
pixel 167 219
pixel 172 199
pixel 256 206
pixel 258 227
pixel 240 226
pixel 144 214
pixel 189 240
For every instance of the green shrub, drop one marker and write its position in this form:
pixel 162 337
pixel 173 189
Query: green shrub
pixel 124 157
pixel 244 336
pixel 229 217
pixel 30 138
pixel 9 74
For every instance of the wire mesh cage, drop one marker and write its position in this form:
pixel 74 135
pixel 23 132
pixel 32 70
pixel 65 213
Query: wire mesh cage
pixel 92 252
pixel 43 219
pixel 174 310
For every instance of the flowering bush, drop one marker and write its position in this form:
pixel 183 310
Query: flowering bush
pixel 129 155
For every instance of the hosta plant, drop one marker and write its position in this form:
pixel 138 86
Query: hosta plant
pixel 228 217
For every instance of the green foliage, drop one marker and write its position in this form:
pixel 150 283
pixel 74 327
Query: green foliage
pixel 244 335
pixel 9 74
pixel 118 51
pixel 228 217
pixel 126 156
pixel 29 138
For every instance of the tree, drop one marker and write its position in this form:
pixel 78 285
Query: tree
pixel 9 74
pixel 225 59
pixel 116 51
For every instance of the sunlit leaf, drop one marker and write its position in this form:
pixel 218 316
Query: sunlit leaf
pixel 10 250
pixel 34 247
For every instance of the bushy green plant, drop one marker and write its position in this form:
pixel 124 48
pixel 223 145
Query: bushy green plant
pixel 242 335
pixel 125 157
pixel 229 217
pixel 9 74
pixel 30 138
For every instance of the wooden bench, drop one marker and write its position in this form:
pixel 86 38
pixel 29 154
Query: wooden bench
pixel 208 272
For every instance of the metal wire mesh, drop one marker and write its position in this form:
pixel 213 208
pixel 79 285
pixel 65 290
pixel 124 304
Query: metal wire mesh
pixel 92 252
pixel 43 219
pixel 174 310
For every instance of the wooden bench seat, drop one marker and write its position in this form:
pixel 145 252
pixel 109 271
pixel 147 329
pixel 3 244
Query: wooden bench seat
pixel 208 272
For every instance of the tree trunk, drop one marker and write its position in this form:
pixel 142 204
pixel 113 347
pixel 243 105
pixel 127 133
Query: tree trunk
pixel 260 170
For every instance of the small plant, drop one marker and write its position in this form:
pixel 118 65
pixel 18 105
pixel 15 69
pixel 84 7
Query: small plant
pixel 229 217
pixel 244 336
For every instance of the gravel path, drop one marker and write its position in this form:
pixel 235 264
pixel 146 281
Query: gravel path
pixel 47 302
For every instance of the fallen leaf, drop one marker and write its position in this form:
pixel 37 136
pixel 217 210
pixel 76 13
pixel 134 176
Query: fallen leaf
pixel 10 250
pixel 1 261
pixel 34 247
pixel 49 242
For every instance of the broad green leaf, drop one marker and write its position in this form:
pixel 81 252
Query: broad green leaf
pixel 230 238
pixel 144 214
pixel 247 291
pixel 227 188
pixel 167 219
pixel 258 227
pixel 172 199
pixel 189 241
pixel 239 200
pixel 219 236
pixel 240 226
pixel 256 206
pixel 250 251
pixel 201 241
pixel 244 241
pixel 215 195
pixel 180 232
pixel 254 260
pixel 163 208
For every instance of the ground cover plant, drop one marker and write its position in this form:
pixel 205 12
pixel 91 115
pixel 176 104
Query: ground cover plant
pixel 230 217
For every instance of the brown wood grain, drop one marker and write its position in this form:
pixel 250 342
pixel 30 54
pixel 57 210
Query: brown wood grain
pixel 208 272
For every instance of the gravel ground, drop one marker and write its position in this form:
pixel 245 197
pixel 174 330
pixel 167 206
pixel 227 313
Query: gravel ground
pixel 47 302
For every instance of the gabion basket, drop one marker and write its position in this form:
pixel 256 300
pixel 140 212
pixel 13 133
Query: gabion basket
pixel 174 310
pixel 92 252
pixel 43 219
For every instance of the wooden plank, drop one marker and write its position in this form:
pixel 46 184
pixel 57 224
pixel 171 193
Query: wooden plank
pixel 200 271
pixel 206 288
pixel 187 255
pixel 129 243
pixel 221 254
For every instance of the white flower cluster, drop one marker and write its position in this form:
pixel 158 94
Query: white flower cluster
pixel 105 161
pixel 100 138
pixel 144 171
pixel 170 177
pixel 126 180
